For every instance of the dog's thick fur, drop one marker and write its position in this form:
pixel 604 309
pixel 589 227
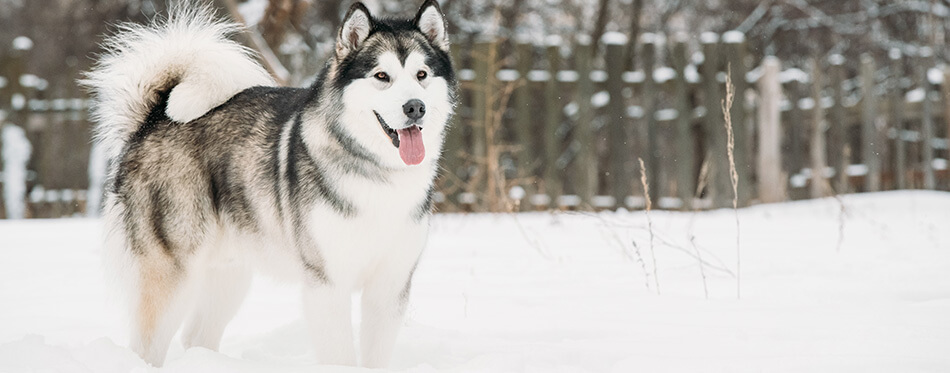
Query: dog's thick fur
pixel 214 172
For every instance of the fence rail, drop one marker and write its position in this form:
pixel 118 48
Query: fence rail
pixel 563 126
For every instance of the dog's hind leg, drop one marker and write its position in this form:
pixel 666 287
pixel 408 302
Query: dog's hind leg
pixel 221 291
pixel 164 296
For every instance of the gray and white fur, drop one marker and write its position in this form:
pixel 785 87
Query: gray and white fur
pixel 214 173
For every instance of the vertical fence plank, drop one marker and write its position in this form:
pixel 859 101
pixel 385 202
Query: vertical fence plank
pixel 552 109
pixel 649 115
pixel 896 106
pixel 685 157
pixel 870 142
pixel 735 53
pixel 454 148
pixel 524 108
pixel 719 185
pixel 481 108
pixel 771 178
pixel 945 103
pixel 838 142
pixel 795 145
pixel 927 124
pixel 620 181
pixel 819 186
pixel 586 163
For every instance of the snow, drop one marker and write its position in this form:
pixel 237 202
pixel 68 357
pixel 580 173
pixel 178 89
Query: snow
pixel 16 154
pixel 466 74
pixel 253 11
pixel 568 76
pixel 633 76
pixel 935 75
pixel 691 74
pixel 663 74
pixel 793 74
pixel 733 37
pixel 507 75
pixel 600 99
pixel 894 54
pixel 553 40
pixel 836 59
pixel 916 95
pixel 598 76
pixel 539 75
pixel 22 43
pixel 563 292
pixel 614 38
pixel 709 37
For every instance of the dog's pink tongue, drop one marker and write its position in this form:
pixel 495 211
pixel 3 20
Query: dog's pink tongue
pixel 411 149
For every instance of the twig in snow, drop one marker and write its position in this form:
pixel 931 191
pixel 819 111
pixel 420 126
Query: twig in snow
pixel 702 271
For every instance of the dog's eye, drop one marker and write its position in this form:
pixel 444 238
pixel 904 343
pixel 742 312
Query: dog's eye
pixel 381 76
pixel 421 74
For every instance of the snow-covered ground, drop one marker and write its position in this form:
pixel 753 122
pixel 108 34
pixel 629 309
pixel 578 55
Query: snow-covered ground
pixel 865 291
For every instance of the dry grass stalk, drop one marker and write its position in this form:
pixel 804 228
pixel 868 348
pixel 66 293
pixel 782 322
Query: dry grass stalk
pixel 733 175
pixel 646 194
pixel 700 185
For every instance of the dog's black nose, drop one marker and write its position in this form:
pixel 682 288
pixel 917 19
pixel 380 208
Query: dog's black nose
pixel 414 109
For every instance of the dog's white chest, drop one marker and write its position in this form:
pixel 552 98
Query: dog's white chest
pixel 387 231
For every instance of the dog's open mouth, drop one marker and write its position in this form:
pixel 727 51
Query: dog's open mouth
pixel 407 140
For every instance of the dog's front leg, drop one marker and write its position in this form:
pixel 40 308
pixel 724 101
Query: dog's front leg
pixel 384 307
pixel 327 310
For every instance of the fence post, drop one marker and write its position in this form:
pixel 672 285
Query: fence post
pixel 896 107
pixel 553 111
pixel 870 141
pixel 772 181
pixel 651 151
pixel 586 159
pixel 527 158
pixel 719 185
pixel 838 127
pixel 819 185
pixel 685 157
pixel 617 122
pixel 735 45
pixel 480 112
pixel 927 123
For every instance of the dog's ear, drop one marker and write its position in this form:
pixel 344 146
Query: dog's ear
pixel 431 22
pixel 356 27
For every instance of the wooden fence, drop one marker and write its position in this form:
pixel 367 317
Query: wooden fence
pixel 563 126
pixel 560 126
pixel 59 134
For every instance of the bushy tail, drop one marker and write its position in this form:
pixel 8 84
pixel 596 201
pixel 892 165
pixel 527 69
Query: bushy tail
pixel 189 53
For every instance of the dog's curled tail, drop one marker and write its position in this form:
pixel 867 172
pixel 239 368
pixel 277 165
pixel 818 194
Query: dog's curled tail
pixel 188 57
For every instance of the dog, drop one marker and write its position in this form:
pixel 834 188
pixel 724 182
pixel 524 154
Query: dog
pixel 216 173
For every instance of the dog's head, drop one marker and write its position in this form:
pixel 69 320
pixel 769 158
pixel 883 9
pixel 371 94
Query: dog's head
pixel 397 82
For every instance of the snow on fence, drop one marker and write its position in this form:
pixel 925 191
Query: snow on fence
pixel 562 126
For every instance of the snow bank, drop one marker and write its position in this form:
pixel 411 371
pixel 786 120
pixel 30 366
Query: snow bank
pixel 864 288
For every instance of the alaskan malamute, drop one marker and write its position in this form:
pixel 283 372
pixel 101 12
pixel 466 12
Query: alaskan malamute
pixel 214 171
